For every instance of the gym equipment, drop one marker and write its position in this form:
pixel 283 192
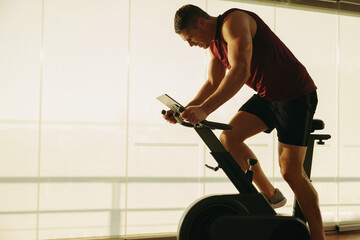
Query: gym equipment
pixel 246 215
pixel 317 124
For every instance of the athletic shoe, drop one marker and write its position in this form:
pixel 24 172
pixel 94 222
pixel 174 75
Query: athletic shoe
pixel 278 200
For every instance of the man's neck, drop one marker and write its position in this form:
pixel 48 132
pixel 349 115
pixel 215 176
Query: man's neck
pixel 213 26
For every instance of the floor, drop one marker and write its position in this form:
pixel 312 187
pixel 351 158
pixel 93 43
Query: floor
pixel 343 236
pixel 329 236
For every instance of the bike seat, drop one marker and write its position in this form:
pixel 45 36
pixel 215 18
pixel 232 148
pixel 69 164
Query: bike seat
pixel 317 124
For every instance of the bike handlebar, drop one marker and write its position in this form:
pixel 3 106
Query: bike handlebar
pixel 204 123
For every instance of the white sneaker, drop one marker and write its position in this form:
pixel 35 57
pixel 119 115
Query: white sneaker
pixel 277 200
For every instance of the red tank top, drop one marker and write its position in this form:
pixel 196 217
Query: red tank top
pixel 276 74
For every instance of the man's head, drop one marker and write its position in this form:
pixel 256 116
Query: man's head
pixel 192 24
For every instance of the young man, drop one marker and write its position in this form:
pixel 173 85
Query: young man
pixel 286 96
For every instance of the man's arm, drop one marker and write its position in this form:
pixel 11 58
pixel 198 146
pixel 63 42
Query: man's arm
pixel 237 30
pixel 216 74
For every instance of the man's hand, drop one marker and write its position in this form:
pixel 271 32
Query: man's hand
pixel 194 114
pixel 170 117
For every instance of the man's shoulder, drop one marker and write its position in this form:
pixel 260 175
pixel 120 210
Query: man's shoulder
pixel 238 19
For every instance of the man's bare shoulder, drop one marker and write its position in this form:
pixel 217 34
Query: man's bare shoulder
pixel 240 20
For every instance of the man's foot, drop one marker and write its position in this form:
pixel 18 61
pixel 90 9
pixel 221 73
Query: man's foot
pixel 277 200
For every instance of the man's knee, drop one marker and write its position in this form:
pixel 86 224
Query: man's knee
pixel 291 160
pixel 291 173
pixel 228 139
pixel 224 139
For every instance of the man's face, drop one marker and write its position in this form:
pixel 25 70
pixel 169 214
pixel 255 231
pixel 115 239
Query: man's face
pixel 196 37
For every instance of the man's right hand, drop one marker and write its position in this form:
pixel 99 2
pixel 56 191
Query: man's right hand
pixel 169 116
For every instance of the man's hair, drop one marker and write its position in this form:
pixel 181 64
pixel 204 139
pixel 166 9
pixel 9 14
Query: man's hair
pixel 186 17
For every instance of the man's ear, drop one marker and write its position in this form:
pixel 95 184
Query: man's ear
pixel 200 22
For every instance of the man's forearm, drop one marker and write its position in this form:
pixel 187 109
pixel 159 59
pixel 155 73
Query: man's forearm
pixel 230 85
pixel 205 92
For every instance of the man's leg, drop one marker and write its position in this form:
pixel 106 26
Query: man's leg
pixel 291 160
pixel 246 125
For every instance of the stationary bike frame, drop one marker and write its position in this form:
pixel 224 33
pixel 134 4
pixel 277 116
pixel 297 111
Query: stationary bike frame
pixel 317 125
pixel 224 159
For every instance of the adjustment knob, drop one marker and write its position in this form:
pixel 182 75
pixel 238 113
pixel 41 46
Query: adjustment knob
pixel 252 161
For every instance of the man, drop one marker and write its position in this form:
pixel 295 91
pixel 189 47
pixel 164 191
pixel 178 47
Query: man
pixel 286 96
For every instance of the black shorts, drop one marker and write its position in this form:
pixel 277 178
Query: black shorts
pixel 292 119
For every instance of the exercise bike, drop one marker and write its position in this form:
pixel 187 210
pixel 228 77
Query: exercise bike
pixel 243 216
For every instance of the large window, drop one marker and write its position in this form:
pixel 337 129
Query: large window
pixel 84 149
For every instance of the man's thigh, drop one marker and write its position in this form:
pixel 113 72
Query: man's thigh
pixel 245 125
